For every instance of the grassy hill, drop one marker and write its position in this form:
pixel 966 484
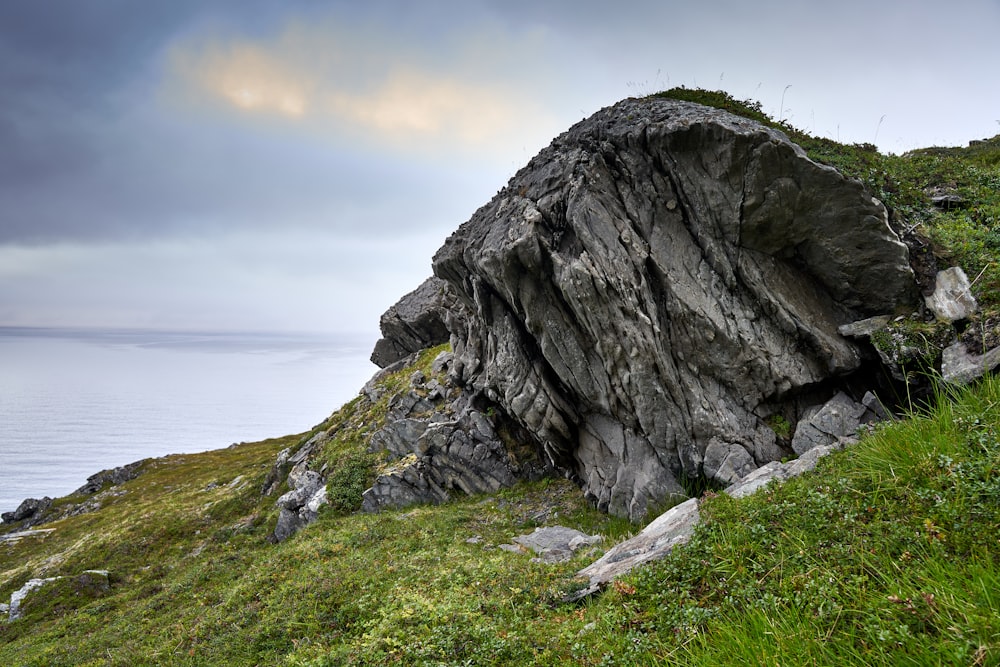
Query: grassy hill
pixel 887 554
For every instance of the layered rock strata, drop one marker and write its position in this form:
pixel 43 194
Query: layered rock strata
pixel 655 284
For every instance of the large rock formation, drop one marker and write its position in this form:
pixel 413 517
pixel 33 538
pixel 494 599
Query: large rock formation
pixel 414 323
pixel 655 284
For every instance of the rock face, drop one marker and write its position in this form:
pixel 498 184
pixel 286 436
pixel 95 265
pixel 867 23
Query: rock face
pixel 439 442
pixel 676 525
pixel 655 284
pixel 434 440
pixel 416 322
pixel 300 505
pixel 30 511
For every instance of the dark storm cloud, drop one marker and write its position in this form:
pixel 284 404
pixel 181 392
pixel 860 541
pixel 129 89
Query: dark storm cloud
pixel 61 66
pixel 86 153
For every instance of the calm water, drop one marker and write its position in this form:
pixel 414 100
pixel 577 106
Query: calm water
pixel 76 402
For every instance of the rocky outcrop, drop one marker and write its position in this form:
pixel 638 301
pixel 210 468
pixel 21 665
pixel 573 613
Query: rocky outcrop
pixel 99 487
pixel 935 343
pixel 837 419
pixel 300 505
pixel 676 525
pixel 432 439
pixel 414 323
pixel 30 512
pixel 112 477
pixel 438 442
pixel 654 285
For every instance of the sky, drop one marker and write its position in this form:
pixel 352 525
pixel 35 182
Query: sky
pixel 292 165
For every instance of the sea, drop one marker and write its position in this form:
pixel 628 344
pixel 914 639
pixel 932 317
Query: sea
pixel 74 402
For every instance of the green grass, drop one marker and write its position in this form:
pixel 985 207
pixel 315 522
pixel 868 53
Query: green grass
pixel 886 555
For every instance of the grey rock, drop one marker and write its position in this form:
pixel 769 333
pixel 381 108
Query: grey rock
pixel 18 597
pixel 436 458
pixel 864 328
pixel 299 506
pixel 113 477
pixel 808 461
pixel 952 299
pixel 948 201
pixel 655 541
pixel 21 534
pixel 30 511
pixel 399 437
pixel 875 409
pixel 676 525
pixel 556 544
pixel 414 323
pixel 959 366
pixel 442 362
pixel 650 280
pixel 758 479
pixel 438 443
pixel 725 462
pixel 839 417
pixel 89 584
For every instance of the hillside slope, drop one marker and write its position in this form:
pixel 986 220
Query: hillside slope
pixel 886 554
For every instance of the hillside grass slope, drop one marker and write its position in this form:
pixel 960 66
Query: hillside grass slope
pixel 887 554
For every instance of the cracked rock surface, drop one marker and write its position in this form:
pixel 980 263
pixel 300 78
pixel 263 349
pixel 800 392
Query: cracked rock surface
pixel 655 284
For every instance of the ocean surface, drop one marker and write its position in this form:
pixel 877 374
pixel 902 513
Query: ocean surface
pixel 74 402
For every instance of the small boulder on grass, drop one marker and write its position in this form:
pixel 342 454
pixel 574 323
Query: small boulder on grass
pixel 555 544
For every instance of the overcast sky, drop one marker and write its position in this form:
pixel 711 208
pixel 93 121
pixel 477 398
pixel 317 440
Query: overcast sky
pixel 293 165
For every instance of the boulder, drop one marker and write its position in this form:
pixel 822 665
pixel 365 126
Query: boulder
pixel 952 299
pixel 837 419
pixel 673 527
pixel 299 506
pixel 654 284
pixel 959 366
pixel 676 525
pixel 555 544
pixel 29 511
pixel 414 323
pixel 112 477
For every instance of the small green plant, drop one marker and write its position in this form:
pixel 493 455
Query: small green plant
pixel 349 479
pixel 781 426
